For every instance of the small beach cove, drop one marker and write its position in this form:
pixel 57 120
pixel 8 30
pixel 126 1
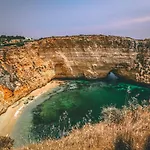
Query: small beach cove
pixel 9 118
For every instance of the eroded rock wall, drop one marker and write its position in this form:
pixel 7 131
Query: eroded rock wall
pixel 23 69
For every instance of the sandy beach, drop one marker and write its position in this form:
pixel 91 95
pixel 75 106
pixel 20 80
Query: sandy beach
pixel 8 119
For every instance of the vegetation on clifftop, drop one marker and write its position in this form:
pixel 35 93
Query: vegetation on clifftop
pixel 13 40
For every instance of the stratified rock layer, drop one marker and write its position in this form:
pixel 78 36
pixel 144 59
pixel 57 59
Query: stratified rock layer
pixel 23 69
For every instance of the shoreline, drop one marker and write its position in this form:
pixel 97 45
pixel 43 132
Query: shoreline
pixel 9 118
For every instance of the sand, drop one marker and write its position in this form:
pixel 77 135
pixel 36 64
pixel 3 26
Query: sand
pixel 9 118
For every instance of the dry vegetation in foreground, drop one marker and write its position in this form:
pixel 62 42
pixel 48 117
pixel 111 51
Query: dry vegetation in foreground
pixel 126 129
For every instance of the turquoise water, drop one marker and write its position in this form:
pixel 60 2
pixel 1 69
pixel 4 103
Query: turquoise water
pixel 73 105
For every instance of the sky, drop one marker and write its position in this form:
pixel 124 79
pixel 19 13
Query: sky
pixel 44 18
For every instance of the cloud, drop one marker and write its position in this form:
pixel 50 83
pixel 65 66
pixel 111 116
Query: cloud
pixel 128 22
pixel 115 25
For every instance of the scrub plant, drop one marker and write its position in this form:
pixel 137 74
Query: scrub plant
pixel 6 143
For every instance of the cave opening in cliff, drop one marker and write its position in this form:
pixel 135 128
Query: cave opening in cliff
pixel 112 76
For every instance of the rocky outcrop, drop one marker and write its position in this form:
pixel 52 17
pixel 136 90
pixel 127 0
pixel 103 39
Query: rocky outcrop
pixel 25 68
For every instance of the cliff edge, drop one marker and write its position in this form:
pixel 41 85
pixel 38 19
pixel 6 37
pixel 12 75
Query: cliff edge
pixel 27 67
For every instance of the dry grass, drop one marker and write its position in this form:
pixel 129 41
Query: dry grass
pixel 130 132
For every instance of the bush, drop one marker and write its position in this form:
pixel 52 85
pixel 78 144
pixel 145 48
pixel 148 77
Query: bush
pixel 112 115
pixel 6 143
pixel 123 143
pixel 20 44
pixel 147 143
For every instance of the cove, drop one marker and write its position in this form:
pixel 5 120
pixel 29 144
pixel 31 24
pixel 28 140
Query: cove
pixel 55 113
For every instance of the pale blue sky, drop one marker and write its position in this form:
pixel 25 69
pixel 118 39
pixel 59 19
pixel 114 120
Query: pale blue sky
pixel 40 18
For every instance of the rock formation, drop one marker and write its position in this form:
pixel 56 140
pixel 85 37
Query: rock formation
pixel 25 68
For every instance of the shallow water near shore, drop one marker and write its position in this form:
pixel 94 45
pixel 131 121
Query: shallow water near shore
pixel 53 114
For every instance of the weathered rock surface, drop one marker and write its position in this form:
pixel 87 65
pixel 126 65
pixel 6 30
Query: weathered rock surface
pixel 23 69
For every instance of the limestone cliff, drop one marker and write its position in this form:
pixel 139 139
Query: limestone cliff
pixel 25 68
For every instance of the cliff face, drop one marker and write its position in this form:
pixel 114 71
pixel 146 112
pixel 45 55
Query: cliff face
pixel 23 69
